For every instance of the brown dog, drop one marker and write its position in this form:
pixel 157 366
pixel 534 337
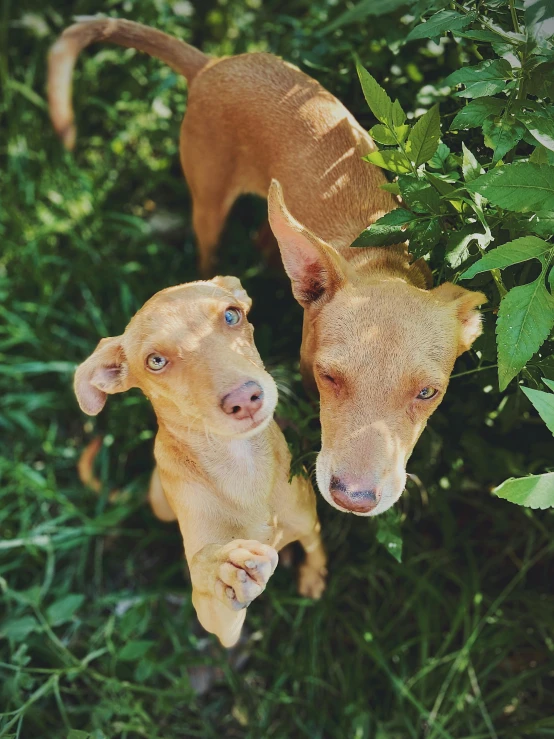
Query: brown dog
pixel 222 462
pixel 378 342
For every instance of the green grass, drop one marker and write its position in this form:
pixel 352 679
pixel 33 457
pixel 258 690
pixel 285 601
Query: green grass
pixel 97 629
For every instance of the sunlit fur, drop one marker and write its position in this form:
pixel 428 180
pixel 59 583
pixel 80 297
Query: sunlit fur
pixel 251 119
pixel 377 330
pixel 225 480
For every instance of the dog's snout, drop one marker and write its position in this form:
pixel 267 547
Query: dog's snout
pixel 351 498
pixel 243 401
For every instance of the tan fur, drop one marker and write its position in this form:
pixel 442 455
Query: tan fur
pixel 369 315
pixel 371 324
pixel 225 480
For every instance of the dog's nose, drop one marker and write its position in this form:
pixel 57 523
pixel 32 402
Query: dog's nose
pixel 348 497
pixel 243 401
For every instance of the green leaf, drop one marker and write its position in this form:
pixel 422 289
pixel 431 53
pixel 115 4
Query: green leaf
pixel 391 187
pixel 424 235
pixel 398 115
pixel 388 230
pixel 476 112
pixel 488 37
pixel 77 734
pixel 525 319
pixel 541 128
pixel 521 187
pixel 383 135
pixel 389 534
pixel 362 10
pixel 542 223
pixel 544 405
pixel 63 609
pixel 419 194
pixel 535 491
pixel 377 99
pixel 18 629
pixel 440 23
pixel 539 156
pixel 443 188
pixel 470 166
pixel 135 649
pixel 514 252
pixel 484 79
pixel 394 161
pixel 501 135
pixel 424 137
pixel 440 157
pixel 539 19
pixel 457 247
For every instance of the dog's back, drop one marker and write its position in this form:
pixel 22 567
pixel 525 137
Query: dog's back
pixel 250 119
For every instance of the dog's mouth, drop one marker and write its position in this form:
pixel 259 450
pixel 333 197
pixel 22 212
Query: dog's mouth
pixel 256 422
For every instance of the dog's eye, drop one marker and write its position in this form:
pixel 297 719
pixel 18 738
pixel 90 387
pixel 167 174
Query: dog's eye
pixel 232 316
pixel 329 379
pixel 155 362
pixel 427 393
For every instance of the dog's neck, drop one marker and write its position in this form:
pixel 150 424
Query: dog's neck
pixel 192 438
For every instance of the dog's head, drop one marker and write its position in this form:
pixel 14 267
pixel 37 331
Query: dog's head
pixel 381 350
pixel 190 349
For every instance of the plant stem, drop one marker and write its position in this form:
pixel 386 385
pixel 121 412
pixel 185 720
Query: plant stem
pixel 471 372
pixel 514 15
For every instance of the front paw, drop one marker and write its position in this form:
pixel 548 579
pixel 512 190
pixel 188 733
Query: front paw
pixel 244 572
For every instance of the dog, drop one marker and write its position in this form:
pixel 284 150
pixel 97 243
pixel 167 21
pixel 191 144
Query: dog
pixel 222 462
pixel 378 343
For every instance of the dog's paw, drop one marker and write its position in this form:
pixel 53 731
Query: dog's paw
pixel 244 572
pixel 311 581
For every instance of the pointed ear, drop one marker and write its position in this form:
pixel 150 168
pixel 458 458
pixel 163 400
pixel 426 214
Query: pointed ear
pixel 233 285
pixel 464 302
pixel 314 267
pixel 106 371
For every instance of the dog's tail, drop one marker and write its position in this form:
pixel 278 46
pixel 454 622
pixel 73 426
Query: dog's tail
pixel 85 465
pixel 85 469
pixel 181 57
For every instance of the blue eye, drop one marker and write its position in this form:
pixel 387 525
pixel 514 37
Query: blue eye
pixel 427 393
pixel 232 316
pixel 156 362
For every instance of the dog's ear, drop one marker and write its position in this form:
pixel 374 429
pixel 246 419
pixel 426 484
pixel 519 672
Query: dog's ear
pixel 106 371
pixel 314 267
pixel 233 285
pixel 464 302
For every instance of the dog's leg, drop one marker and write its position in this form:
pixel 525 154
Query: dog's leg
pixel 225 580
pixel 210 177
pixel 158 500
pixel 208 221
pixel 312 573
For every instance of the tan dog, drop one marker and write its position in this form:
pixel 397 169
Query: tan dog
pixel 379 344
pixel 222 462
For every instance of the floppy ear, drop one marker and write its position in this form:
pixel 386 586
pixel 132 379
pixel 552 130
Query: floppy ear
pixel 313 266
pixel 465 302
pixel 233 285
pixel 105 372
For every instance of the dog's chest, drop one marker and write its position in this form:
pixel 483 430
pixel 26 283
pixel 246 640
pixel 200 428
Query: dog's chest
pixel 245 470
